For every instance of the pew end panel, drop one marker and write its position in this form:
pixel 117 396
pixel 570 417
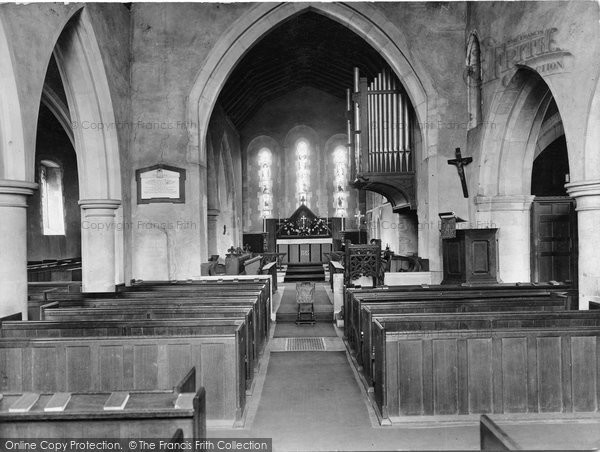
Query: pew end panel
pixel 454 375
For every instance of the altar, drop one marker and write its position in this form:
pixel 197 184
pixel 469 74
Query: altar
pixel 304 250
pixel 304 238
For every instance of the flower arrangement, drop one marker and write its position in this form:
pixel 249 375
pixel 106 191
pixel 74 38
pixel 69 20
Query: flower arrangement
pixel 318 227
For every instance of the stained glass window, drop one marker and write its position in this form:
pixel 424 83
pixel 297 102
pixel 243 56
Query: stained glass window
pixel 302 172
pixel 340 194
pixel 265 193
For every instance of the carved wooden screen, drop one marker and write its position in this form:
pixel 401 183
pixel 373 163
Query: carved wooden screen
pixel 362 260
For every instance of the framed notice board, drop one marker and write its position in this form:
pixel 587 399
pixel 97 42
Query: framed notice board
pixel 160 183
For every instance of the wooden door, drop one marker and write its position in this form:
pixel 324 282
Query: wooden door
pixel 553 239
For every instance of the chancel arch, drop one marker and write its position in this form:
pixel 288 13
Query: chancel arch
pixel 367 22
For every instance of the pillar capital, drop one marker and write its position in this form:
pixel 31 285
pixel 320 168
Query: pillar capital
pixel 13 193
pixel 499 203
pixel 99 204
pixel 586 193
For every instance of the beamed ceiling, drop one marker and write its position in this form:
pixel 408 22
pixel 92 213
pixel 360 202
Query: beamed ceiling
pixel 307 50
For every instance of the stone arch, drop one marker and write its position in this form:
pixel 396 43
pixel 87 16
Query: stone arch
pixel 84 78
pixel 511 134
pixel 509 144
pixel 363 19
pixel 60 111
pixel 551 130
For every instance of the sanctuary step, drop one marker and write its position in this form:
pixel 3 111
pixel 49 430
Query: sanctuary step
pixel 304 272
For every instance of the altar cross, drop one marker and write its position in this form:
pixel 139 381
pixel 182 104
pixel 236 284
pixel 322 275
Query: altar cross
pixel 303 219
pixel 460 164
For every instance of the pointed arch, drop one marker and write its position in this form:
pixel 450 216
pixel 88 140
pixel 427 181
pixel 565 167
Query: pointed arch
pixel 511 135
pixel 81 67
pixel 362 18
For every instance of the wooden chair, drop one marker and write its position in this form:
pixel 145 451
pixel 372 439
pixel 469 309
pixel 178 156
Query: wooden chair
pixel 305 297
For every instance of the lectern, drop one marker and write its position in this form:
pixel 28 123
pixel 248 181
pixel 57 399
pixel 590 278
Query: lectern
pixel 471 257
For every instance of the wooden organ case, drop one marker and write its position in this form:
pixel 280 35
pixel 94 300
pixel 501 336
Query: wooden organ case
pixel 380 134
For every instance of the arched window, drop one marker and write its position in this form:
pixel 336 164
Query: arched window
pixel 53 212
pixel 265 194
pixel 340 177
pixel 302 172
pixel 473 79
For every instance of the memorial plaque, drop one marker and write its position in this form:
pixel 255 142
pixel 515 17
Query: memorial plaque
pixel 160 183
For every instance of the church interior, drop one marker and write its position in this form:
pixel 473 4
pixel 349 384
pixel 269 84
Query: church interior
pixel 301 226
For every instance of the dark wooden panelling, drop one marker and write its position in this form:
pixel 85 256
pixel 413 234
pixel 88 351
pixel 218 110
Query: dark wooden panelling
pixel 410 377
pixel 445 376
pixel 480 382
pixel 584 371
pixel 549 368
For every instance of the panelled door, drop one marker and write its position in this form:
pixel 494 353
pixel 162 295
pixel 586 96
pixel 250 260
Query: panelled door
pixel 553 239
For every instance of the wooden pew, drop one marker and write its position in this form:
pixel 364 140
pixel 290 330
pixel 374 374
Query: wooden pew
pixel 547 300
pixel 164 327
pixel 493 438
pixel 257 320
pixel 37 294
pixel 463 321
pixel 76 314
pixel 263 304
pixel 458 291
pixel 122 363
pixel 231 281
pixel 147 414
pixel 458 374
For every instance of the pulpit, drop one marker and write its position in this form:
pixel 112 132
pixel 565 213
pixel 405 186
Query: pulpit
pixel 471 257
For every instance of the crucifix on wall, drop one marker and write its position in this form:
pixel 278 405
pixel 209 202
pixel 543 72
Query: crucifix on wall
pixel 460 164
pixel 359 216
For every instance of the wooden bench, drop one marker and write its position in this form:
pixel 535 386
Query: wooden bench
pixel 122 363
pixel 452 321
pixel 165 327
pixel 545 299
pixel 77 314
pixel 470 303
pixel 37 294
pixel 459 374
pixel 262 282
pixel 461 291
pixel 257 319
pixel 147 414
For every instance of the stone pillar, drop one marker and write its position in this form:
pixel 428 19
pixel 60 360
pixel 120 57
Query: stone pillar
pixel 512 216
pixel 13 246
pixel 587 197
pixel 98 244
pixel 211 226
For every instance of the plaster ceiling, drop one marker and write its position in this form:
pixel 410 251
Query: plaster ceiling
pixel 307 50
